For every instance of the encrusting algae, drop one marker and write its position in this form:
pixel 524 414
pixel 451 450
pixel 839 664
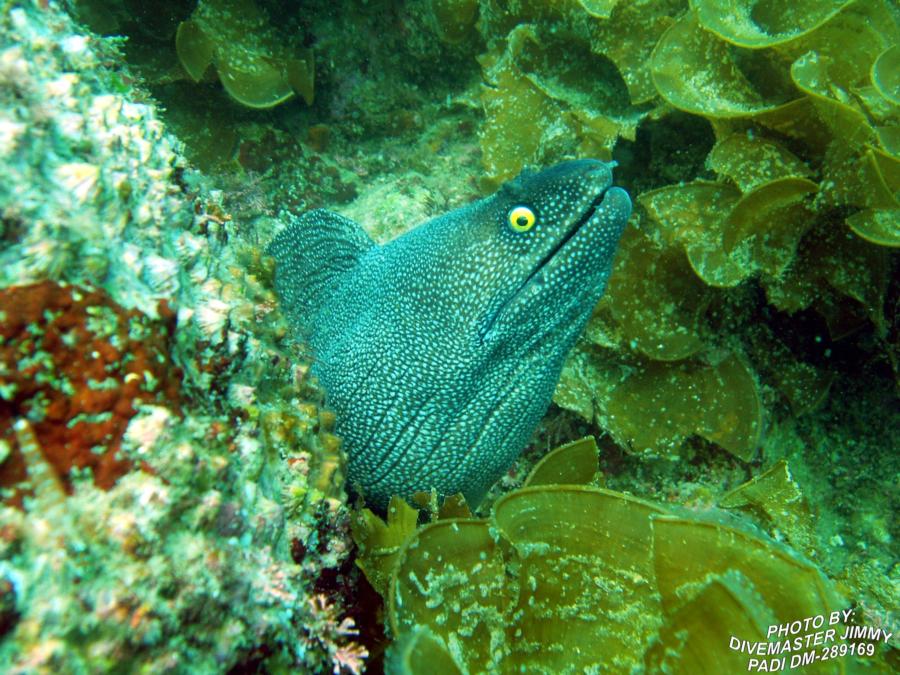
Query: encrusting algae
pixel 79 367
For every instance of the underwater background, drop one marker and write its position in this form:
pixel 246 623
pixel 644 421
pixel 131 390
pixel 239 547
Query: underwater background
pixel 173 494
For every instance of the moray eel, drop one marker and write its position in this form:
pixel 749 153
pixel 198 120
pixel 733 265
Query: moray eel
pixel 440 350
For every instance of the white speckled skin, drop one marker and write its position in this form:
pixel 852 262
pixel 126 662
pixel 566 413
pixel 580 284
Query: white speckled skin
pixel 440 350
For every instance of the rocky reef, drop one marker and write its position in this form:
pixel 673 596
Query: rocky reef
pixel 173 499
pixel 173 496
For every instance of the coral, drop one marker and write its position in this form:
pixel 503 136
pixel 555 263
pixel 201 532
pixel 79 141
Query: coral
pixel 78 366
pixel 570 576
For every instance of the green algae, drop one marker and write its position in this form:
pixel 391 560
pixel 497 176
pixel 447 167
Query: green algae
pixel 451 574
pixel 698 73
pixel 563 576
pixel 660 405
pixel 775 215
pixel 776 496
pixel 252 61
pixel 518 113
pixel 803 127
pixel 763 24
pixel 691 214
pixel 541 93
pixel 884 74
pixel 573 463
pixel 749 161
pixel 655 301
pixel 453 20
pixel 628 39
pixel 380 541
pixel 422 646
pixel 877 226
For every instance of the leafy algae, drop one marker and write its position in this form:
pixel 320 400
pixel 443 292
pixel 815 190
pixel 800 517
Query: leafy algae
pixel 566 577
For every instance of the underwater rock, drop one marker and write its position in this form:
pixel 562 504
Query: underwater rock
pixel 219 547
pixel 184 568
pixel 88 174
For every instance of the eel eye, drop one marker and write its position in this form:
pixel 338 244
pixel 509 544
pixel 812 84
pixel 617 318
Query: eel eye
pixel 521 218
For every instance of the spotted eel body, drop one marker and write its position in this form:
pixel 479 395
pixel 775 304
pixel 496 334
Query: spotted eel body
pixel 440 350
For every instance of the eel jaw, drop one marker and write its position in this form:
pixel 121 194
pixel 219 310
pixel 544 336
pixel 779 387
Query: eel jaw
pixel 530 287
pixel 547 260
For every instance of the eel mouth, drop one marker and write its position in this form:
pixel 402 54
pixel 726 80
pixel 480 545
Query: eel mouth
pixel 574 229
pixel 534 277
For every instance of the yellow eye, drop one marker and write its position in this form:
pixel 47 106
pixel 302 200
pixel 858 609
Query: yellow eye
pixel 521 218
